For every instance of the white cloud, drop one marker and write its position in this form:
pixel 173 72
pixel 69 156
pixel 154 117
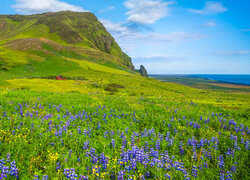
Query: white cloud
pixel 118 28
pixel 160 58
pixel 208 24
pixel 233 53
pixel 146 11
pixel 110 8
pixel 171 37
pixel 128 38
pixel 36 6
pixel 211 7
pixel 125 33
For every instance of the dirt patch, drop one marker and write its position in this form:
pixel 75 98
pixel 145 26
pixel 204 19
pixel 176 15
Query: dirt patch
pixel 25 44
pixel 230 85
pixel 32 44
pixel 2 25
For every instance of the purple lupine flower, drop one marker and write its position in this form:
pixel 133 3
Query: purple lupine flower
pixel 70 173
pixel 103 160
pixel 133 163
pixel 167 176
pixel 8 157
pixel 125 157
pixel 186 177
pixel 126 130
pixel 122 134
pixel 120 175
pixel 147 174
pixel 2 176
pixel 5 169
pixel 60 132
pixel 36 177
pixel 146 146
pixel 145 159
pixel 221 162
pixel 200 167
pixel 58 166
pixel 194 156
pixel 45 177
pixel 62 143
pixel 139 156
pixel 169 125
pixel 132 140
pixel 205 165
pixel 233 168
pixel 70 152
pixel 79 130
pixel 171 141
pixel 201 144
pixel 194 171
pixel 229 152
pixel 106 134
pixel 158 145
pixel 247 145
pixel 86 145
pixel 124 141
pixel 222 175
pixel 112 134
pixel 229 175
pixel 113 143
pixel 83 177
pixel 13 169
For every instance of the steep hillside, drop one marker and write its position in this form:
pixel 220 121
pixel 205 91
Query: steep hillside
pixel 58 43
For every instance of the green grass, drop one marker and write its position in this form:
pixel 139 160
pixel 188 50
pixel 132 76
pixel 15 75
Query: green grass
pixel 48 126
pixel 34 144
pixel 130 104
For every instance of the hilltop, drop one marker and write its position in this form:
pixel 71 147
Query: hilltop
pixel 58 43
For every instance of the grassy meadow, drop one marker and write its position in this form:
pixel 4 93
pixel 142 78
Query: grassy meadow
pixel 116 126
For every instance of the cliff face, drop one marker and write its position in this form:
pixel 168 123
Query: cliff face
pixel 81 32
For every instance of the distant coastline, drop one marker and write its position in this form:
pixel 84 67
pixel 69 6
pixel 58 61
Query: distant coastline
pixel 243 80
pixel 227 79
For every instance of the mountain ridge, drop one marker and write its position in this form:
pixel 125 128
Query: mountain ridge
pixel 62 34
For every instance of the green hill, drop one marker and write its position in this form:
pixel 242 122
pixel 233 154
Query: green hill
pixel 35 49
pixel 58 43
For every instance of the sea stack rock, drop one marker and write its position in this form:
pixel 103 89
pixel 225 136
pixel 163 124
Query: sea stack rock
pixel 143 71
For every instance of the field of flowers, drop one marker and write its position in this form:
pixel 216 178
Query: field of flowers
pixel 75 136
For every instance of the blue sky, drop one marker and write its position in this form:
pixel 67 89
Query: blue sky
pixel 167 36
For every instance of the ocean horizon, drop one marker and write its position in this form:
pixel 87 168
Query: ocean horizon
pixel 228 78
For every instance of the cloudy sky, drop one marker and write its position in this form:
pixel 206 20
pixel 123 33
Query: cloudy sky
pixel 167 36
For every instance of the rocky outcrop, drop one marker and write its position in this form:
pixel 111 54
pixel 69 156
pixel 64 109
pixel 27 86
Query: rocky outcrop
pixel 143 71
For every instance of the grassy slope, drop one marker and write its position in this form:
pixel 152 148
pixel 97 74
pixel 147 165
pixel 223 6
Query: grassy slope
pixel 82 33
pixel 68 44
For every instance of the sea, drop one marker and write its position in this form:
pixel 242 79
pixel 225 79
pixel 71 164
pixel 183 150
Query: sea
pixel 229 78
